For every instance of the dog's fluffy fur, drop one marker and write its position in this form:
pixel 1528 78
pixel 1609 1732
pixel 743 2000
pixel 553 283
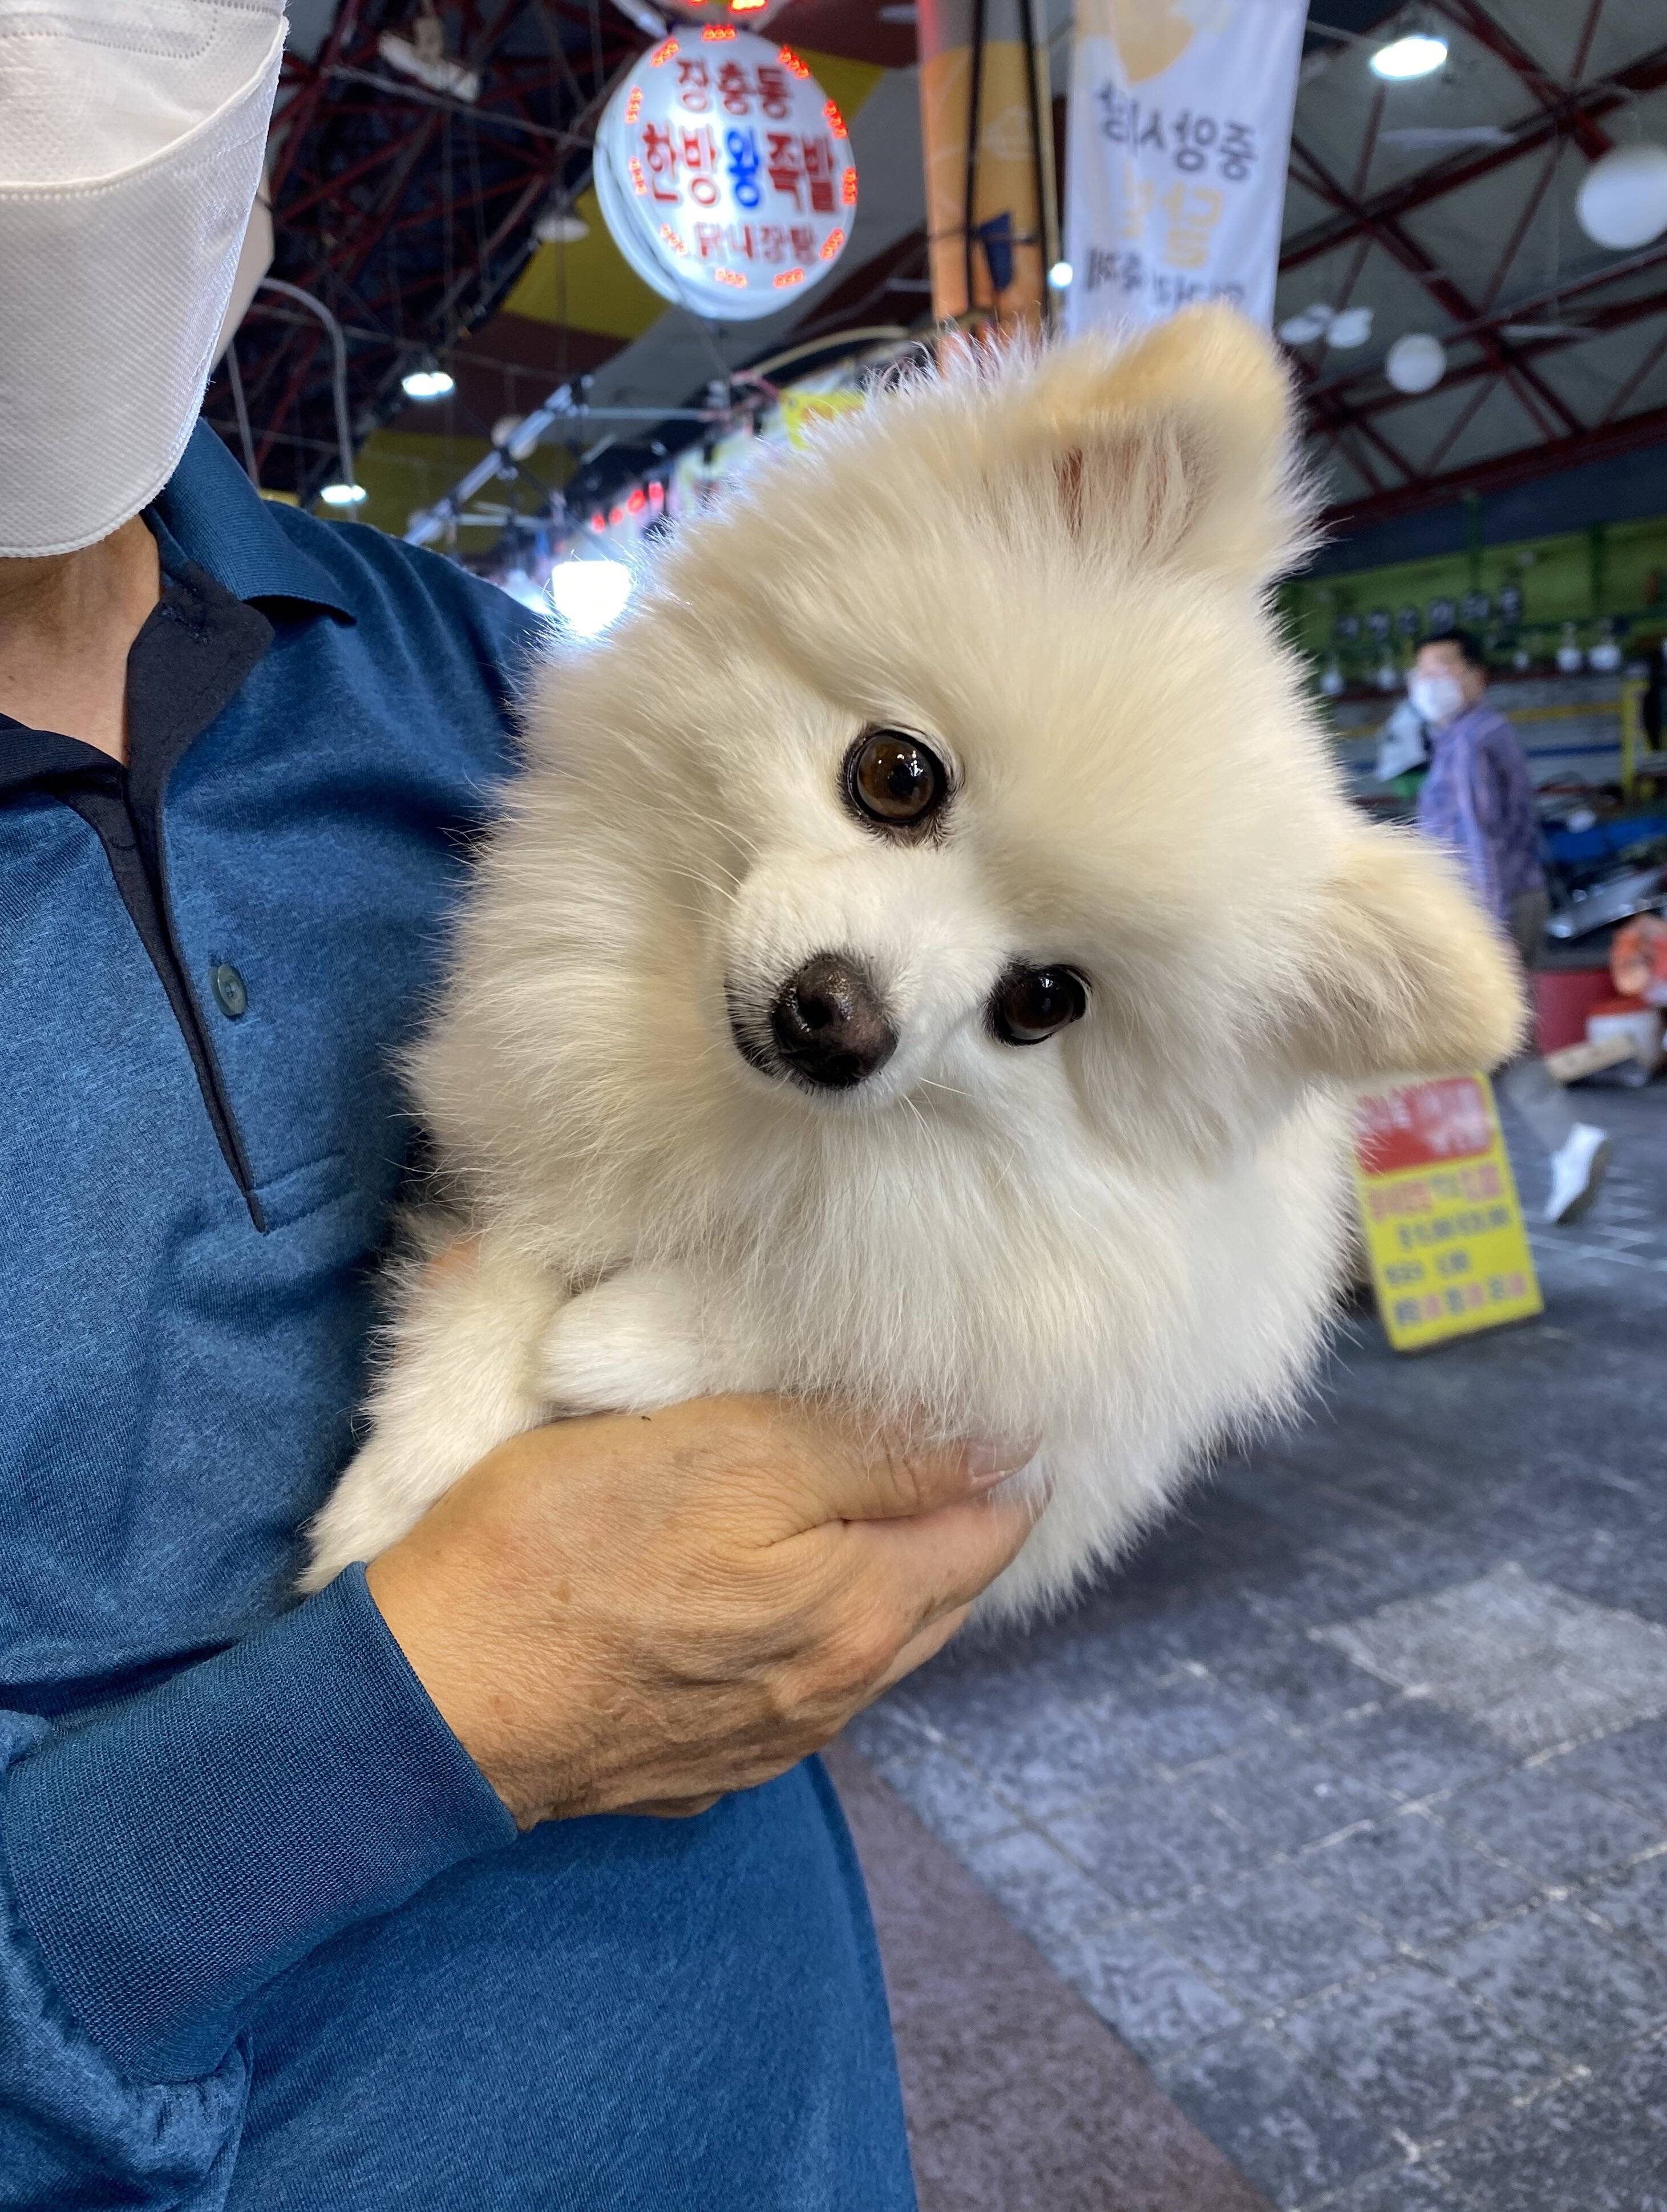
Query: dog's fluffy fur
pixel 1125 1240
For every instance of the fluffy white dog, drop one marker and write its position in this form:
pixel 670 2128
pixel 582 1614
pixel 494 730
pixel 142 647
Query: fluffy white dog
pixel 926 960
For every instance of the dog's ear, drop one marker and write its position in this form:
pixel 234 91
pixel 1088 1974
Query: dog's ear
pixel 1405 975
pixel 1176 446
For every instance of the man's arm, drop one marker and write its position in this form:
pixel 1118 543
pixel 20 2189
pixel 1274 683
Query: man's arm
pixel 1480 813
pixel 609 1614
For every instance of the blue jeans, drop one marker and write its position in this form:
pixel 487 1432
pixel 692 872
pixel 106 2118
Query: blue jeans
pixel 613 2015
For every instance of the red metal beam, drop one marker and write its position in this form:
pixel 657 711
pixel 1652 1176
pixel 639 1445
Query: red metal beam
pixel 1595 323
pixel 1389 233
pixel 1602 97
pixel 1548 93
pixel 1504 471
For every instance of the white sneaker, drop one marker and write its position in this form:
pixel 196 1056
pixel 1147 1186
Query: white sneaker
pixel 1577 1168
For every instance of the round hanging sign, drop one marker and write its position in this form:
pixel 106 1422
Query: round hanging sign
pixel 725 174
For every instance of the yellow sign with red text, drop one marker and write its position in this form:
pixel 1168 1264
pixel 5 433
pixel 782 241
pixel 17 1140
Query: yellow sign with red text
pixel 1438 1205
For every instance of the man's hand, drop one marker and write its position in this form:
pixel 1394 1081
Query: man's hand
pixel 642 1612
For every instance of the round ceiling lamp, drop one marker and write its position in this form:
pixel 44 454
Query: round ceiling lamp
pixel 1415 53
pixel 1622 199
pixel 725 174
pixel 1416 363
pixel 561 227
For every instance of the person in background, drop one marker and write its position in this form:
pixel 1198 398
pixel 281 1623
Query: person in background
pixel 1478 799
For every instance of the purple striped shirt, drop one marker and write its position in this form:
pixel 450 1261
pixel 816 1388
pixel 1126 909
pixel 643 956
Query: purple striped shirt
pixel 1478 799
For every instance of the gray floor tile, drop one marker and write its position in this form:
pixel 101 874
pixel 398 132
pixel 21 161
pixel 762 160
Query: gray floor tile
pixel 887 1731
pixel 1153 2000
pixel 1175 1723
pixel 1640 2082
pixel 1533 1663
pixel 1574 2150
pixel 1293 2134
pixel 1634 1901
pixel 1411 1747
pixel 1041 1893
pixel 1305 1681
pixel 1540 1819
pixel 1271 1937
pixel 1631 1767
pixel 1145 1846
pixel 1416 2054
pixel 1578 1990
pixel 1048 1762
pixel 1421 1882
pixel 1408 2188
pixel 953 1802
pixel 1287 1794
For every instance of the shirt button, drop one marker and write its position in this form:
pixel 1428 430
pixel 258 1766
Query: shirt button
pixel 230 993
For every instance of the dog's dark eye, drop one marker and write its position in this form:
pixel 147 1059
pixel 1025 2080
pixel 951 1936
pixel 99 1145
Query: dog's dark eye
pixel 894 780
pixel 1031 1004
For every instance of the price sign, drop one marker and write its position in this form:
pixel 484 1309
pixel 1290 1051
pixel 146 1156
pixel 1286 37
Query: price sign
pixel 725 174
pixel 1438 1205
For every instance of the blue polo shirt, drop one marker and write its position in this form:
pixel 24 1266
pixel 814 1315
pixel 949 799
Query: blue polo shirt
pixel 267 1939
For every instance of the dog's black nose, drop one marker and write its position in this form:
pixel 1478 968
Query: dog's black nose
pixel 828 1023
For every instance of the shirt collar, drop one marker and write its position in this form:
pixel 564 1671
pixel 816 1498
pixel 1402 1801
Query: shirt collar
pixel 212 511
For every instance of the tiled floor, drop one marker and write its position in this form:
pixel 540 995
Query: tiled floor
pixel 1346 1803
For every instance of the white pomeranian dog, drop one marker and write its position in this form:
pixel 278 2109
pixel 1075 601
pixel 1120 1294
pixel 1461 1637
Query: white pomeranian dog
pixel 926 963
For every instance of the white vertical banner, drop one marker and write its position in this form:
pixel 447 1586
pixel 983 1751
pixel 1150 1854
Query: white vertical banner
pixel 1177 139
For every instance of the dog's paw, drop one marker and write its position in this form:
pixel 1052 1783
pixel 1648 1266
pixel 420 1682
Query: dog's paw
pixel 368 1510
pixel 635 1343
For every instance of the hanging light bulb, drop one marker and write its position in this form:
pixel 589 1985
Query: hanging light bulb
pixel 343 494
pixel 1414 53
pixel 1622 199
pixel 428 383
pixel 1416 363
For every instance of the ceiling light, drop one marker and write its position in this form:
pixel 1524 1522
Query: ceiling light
pixel 589 594
pixel 1303 328
pixel 560 226
pixel 423 57
pixel 1622 200
pixel 343 494
pixel 1416 53
pixel 428 383
pixel 1416 363
pixel 1352 327
pixel 1060 275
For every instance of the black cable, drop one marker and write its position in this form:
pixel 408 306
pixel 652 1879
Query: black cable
pixel 1027 18
pixel 974 119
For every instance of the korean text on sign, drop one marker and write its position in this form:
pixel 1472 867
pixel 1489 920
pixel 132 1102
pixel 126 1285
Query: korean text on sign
pixel 1443 1232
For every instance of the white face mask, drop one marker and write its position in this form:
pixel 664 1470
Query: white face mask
pixel 131 148
pixel 1436 699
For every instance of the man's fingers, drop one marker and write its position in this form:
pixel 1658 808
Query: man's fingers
pixel 938 1561
pixel 857 1475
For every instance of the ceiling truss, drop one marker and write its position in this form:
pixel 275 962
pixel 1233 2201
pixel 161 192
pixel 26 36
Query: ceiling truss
pixel 1353 412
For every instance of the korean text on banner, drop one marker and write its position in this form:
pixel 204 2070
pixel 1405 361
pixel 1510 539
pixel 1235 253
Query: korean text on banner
pixel 1444 1230
pixel 1178 136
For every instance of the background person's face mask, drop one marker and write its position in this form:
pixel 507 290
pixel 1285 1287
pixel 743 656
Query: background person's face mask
pixel 1436 699
pixel 130 147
